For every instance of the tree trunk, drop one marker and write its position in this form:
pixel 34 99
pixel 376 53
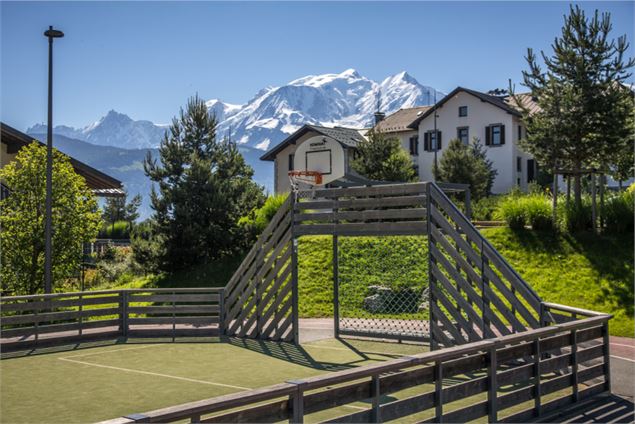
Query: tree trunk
pixel 577 189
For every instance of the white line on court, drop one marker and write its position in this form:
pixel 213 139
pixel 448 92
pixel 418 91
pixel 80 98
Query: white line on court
pixel 623 359
pixel 156 374
pixel 624 345
pixel 114 350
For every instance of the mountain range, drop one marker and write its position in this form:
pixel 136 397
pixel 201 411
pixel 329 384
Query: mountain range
pixel 116 143
pixel 344 99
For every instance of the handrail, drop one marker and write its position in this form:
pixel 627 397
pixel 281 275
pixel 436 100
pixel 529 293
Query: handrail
pixel 571 309
pixel 112 291
pixel 207 406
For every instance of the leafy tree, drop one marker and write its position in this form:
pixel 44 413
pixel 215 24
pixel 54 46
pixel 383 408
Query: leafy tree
pixel 382 158
pixel 119 209
pixel 622 170
pixel 75 220
pixel 204 187
pixel 467 165
pixel 585 114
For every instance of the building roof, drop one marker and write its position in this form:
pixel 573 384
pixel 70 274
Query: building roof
pixel 100 183
pixel 526 100
pixel 499 102
pixel 348 137
pixel 401 120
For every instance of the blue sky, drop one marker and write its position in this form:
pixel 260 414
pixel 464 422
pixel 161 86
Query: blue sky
pixel 146 58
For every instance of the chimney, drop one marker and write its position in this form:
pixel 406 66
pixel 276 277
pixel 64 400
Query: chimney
pixel 379 116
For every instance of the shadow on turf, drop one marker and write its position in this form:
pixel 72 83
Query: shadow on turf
pixel 298 355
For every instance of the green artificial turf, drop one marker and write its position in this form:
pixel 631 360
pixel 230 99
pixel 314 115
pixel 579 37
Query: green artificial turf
pixel 99 383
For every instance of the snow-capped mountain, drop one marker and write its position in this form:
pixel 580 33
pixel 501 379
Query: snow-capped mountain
pixel 344 99
pixel 114 129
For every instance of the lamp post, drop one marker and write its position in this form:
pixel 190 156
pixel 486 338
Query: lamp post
pixel 436 139
pixel 48 253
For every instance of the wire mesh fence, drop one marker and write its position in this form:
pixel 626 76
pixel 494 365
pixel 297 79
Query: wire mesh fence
pixel 383 287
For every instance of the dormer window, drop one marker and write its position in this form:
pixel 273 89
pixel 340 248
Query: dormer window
pixel 462 111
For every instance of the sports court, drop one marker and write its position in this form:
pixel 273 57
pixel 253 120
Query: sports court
pixel 100 381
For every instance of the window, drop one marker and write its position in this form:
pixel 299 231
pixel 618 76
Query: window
pixel 519 164
pixel 414 145
pixel 430 143
pixel 531 170
pixel 495 135
pixel 462 111
pixel 463 134
pixel 291 167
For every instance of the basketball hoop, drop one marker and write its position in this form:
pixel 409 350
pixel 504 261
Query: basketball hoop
pixel 309 178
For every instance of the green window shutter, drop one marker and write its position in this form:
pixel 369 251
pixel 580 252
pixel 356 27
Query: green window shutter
pixel 426 142
pixel 502 134
pixel 488 137
pixel 438 140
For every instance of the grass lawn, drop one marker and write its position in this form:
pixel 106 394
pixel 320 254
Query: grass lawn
pixel 580 270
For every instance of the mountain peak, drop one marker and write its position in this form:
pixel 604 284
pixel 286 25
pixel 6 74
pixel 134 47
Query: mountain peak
pixel 350 73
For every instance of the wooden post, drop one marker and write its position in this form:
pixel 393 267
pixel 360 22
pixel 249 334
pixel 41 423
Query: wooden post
pixel 336 287
pixel 297 402
pixel 81 309
pixel 468 204
pixel 554 200
pixel 574 364
pixel 492 388
pixel 593 203
pixel 221 312
pixel 484 283
pixel 537 374
pixel 607 357
pixel 123 312
pixel 431 261
pixel 602 182
pixel 376 393
pixel 173 316
pixel 294 276
pixel 438 391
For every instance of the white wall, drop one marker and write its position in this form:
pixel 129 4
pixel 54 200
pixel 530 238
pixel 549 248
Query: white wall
pixel 480 114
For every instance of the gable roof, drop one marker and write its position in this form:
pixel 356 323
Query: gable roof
pixel 101 184
pixel 401 120
pixel 526 100
pixel 493 100
pixel 348 137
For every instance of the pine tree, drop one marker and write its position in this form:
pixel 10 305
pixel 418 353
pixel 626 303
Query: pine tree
pixel 204 187
pixel 585 111
pixel 467 165
pixel 382 158
pixel 119 209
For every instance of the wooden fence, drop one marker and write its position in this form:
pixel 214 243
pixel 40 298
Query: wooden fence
pixel 514 378
pixel 53 319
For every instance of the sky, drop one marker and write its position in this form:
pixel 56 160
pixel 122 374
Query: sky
pixel 146 58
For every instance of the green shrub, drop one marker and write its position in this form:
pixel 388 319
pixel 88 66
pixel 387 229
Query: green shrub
pixel 510 209
pixel 118 230
pixel 519 210
pixel 575 218
pixel 537 211
pixel 485 208
pixel 618 212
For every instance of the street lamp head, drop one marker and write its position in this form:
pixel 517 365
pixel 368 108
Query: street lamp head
pixel 53 33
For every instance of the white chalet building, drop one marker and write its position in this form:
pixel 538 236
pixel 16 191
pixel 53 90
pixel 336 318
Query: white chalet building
pixel 462 114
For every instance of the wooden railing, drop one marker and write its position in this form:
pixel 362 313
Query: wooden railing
pixel 514 378
pixel 53 319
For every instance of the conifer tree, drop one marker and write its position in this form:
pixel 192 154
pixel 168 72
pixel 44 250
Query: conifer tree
pixel 585 111
pixel 382 158
pixel 467 165
pixel 204 188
